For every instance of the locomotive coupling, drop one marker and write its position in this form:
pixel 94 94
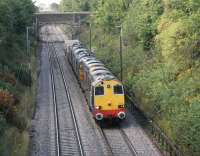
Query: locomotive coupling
pixel 121 115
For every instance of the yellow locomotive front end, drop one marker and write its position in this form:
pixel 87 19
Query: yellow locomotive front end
pixel 108 100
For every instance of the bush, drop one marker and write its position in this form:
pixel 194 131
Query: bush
pixel 15 16
pixel 8 105
pixel 8 78
pixel 6 86
pixel 23 74
pixel 161 60
pixel 3 124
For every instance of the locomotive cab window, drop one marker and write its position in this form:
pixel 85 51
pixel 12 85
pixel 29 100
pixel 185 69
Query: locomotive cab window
pixel 99 90
pixel 118 89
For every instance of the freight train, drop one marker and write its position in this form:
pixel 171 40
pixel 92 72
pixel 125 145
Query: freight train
pixel 103 91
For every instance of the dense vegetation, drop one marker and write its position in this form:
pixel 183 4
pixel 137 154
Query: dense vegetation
pixel 77 5
pixel 161 58
pixel 15 76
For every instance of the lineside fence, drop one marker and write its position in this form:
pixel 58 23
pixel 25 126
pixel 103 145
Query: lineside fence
pixel 162 141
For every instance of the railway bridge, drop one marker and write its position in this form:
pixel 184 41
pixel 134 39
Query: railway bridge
pixel 60 17
pixel 68 18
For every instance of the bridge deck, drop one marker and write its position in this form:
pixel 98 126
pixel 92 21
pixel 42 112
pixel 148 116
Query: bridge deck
pixel 60 17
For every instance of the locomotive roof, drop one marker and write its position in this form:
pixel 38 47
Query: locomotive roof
pixel 77 53
pixel 102 77
pixel 96 65
pixel 93 61
pixel 79 50
pixel 102 72
pixel 76 43
pixel 82 55
pixel 92 69
pixel 89 57
pixel 96 68
pixel 89 61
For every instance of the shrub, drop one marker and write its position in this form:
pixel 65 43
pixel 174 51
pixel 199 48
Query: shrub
pixel 161 60
pixel 3 124
pixel 23 74
pixel 8 78
pixel 6 86
pixel 8 105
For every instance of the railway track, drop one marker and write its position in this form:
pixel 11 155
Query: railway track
pixel 71 106
pixel 65 143
pixel 113 147
pixel 57 127
pixel 128 142
pixel 117 142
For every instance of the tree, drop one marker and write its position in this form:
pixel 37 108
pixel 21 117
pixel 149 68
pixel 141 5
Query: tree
pixel 161 59
pixel 54 7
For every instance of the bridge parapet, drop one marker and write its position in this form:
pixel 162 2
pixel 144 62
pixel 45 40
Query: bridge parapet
pixel 61 17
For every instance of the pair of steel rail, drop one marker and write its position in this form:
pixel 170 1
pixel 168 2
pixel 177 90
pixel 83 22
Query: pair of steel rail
pixel 56 115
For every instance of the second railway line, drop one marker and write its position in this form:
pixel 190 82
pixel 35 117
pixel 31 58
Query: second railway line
pixel 67 134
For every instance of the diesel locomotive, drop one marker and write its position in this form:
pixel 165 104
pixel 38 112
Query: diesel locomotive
pixel 103 91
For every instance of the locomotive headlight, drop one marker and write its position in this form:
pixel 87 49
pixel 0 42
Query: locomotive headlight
pixel 98 107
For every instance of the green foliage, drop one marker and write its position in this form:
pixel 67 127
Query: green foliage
pixel 161 60
pixel 110 14
pixel 23 74
pixel 141 21
pixel 54 7
pixel 3 124
pixel 6 86
pixel 188 124
pixel 15 16
pixel 77 5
